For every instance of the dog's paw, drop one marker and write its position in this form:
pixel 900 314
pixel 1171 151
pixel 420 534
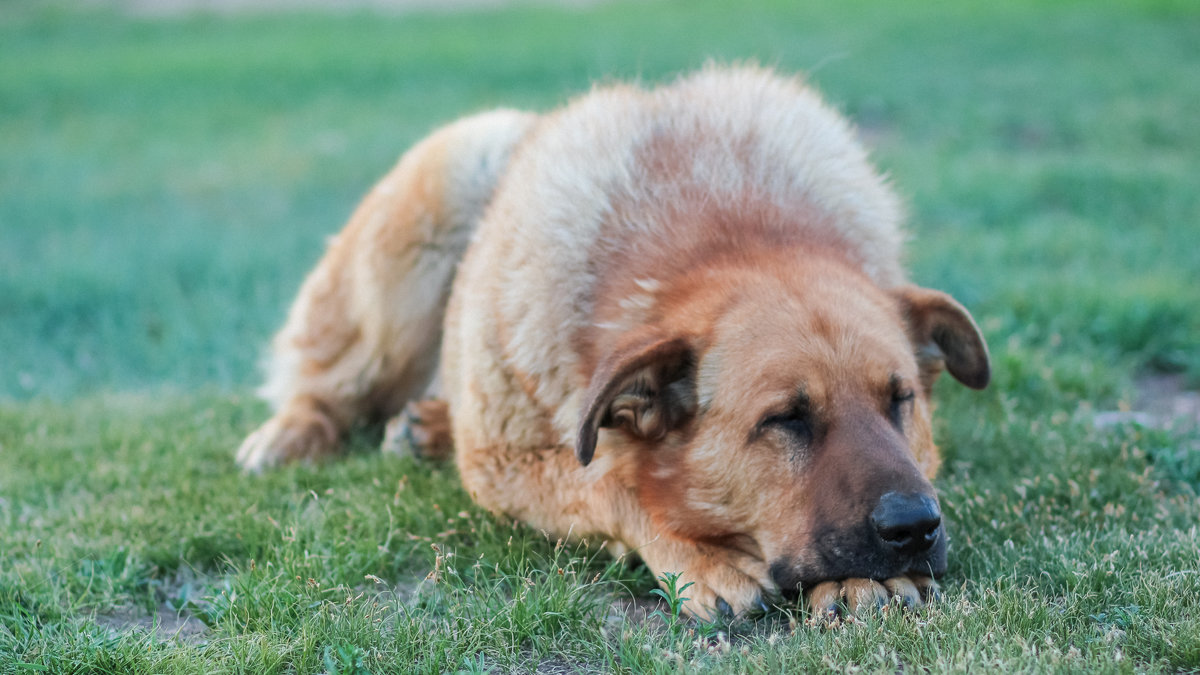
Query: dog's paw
pixel 724 584
pixel 288 438
pixel 827 601
pixel 422 429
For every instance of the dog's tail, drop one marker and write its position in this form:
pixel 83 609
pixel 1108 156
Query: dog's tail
pixel 362 336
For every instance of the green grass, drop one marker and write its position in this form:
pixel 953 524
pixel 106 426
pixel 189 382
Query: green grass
pixel 165 184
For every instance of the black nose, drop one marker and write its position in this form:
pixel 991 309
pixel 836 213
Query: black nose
pixel 907 523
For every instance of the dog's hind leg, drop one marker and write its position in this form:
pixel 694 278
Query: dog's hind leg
pixel 362 336
pixel 422 430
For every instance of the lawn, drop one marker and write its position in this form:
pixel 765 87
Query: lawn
pixel 166 181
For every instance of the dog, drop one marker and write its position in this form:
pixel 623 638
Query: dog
pixel 673 319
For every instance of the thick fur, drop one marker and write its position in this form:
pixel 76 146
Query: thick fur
pixel 680 325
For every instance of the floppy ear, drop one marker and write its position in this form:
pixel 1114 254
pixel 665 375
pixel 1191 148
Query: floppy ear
pixel 943 333
pixel 648 389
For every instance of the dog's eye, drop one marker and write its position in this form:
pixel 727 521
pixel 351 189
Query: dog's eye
pixel 795 424
pixel 900 401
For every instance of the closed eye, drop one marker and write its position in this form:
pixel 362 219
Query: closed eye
pixel 796 425
pixel 901 403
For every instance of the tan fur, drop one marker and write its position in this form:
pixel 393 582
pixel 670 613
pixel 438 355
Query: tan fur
pixel 656 279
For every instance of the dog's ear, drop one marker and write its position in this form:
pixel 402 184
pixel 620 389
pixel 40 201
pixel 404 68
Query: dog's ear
pixel 944 334
pixel 647 388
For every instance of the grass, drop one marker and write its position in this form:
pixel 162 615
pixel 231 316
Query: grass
pixel 165 183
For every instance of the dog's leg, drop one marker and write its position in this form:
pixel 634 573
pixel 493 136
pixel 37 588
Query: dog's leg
pixel 362 336
pixel 725 581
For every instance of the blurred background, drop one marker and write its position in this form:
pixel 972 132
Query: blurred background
pixel 170 169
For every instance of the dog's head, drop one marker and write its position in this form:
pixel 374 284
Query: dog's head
pixel 790 418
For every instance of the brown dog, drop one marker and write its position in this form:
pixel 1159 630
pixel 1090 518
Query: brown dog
pixel 674 320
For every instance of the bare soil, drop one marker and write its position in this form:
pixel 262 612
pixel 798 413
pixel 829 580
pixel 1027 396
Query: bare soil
pixel 165 623
pixel 1162 402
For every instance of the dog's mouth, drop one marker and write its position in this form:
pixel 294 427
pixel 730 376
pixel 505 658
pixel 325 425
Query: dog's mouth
pixel 853 555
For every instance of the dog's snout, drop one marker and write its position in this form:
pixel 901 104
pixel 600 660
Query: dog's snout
pixel 907 523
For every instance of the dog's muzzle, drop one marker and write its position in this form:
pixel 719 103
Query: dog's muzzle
pixel 902 535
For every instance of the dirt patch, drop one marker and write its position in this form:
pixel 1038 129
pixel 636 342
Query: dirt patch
pixel 1162 402
pixel 164 623
pixel 636 612
pixel 1166 397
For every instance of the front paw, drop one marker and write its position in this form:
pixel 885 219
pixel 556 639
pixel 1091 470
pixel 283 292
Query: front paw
pixel 828 600
pixel 723 583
